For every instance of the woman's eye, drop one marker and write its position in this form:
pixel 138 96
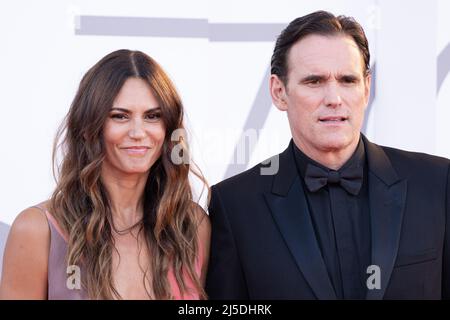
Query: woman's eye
pixel 119 116
pixel 153 116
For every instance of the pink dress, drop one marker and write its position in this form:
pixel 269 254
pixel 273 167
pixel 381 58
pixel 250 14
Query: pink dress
pixel 57 267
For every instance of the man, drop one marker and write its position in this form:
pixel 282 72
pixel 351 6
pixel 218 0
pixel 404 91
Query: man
pixel 342 218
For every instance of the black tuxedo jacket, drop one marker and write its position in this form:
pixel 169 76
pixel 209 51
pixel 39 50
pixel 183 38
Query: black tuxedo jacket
pixel 263 244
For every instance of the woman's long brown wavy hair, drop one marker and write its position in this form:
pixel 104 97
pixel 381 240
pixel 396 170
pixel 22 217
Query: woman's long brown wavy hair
pixel 80 202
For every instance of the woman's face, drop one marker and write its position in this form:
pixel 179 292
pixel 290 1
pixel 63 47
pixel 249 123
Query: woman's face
pixel 134 131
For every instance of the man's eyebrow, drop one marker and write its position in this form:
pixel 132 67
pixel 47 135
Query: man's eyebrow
pixel 321 77
pixel 129 111
pixel 314 77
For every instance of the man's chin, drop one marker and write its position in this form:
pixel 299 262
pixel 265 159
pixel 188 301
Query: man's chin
pixel 335 143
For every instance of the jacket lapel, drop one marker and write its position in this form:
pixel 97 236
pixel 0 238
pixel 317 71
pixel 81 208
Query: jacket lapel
pixel 387 196
pixel 289 209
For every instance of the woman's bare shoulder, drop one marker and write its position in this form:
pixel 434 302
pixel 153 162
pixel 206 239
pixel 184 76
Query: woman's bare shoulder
pixel 25 260
pixel 204 238
pixel 200 215
pixel 31 222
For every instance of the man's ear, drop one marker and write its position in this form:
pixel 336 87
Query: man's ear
pixel 367 83
pixel 278 92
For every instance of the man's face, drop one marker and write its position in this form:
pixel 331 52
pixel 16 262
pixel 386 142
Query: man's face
pixel 326 94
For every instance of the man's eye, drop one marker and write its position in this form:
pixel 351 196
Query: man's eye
pixel 314 82
pixel 349 80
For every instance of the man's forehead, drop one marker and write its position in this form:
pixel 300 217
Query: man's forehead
pixel 314 41
pixel 318 53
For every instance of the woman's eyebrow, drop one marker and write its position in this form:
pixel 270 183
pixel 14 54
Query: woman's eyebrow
pixel 129 111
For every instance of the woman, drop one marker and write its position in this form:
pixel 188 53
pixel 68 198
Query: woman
pixel 121 223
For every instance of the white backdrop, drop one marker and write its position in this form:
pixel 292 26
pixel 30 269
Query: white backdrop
pixel 217 53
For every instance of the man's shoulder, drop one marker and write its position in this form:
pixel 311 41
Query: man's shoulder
pixel 415 158
pixel 423 166
pixel 250 178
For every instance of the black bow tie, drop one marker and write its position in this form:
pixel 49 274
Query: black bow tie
pixel 349 178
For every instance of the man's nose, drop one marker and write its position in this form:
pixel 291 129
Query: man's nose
pixel 332 96
pixel 137 129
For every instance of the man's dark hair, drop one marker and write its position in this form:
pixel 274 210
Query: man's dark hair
pixel 319 23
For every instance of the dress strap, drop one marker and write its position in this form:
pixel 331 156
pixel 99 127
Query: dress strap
pixel 52 220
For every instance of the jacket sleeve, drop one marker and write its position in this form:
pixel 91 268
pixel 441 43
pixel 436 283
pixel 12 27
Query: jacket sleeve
pixel 225 278
pixel 446 258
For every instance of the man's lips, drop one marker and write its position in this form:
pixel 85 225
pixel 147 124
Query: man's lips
pixel 333 119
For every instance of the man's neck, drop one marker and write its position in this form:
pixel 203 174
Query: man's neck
pixel 332 159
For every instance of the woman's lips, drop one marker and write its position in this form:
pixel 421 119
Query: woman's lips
pixel 136 150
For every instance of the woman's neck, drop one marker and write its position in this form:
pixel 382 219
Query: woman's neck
pixel 126 193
